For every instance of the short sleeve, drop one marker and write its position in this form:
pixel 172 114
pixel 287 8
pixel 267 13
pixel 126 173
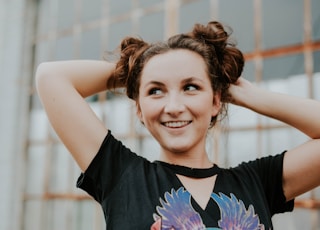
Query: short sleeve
pixel 106 169
pixel 270 172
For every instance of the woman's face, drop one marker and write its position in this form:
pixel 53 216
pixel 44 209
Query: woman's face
pixel 176 101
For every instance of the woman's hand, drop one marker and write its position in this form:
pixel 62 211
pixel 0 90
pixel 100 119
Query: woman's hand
pixel 240 91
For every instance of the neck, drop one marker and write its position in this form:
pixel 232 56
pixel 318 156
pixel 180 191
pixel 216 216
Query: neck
pixel 200 161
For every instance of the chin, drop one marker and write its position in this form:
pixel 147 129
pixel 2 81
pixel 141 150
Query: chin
pixel 176 145
pixel 178 149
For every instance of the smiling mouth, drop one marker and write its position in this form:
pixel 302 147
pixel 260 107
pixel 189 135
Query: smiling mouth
pixel 176 124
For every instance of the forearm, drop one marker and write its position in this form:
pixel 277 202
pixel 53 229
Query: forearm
pixel 300 113
pixel 85 76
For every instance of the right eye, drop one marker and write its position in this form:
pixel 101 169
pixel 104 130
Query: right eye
pixel 155 91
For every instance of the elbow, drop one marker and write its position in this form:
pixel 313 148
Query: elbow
pixel 45 81
pixel 41 71
pixel 42 76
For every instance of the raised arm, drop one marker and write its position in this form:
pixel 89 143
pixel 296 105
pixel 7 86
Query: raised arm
pixel 62 87
pixel 301 167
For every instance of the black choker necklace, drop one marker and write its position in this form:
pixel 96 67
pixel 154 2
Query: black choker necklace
pixel 191 172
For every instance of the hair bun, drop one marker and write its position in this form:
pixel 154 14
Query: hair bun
pixel 131 44
pixel 213 34
pixel 217 37
pixel 130 52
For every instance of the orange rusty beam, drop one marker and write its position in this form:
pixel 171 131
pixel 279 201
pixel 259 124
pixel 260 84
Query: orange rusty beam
pixel 307 203
pixel 58 196
pixel 284 50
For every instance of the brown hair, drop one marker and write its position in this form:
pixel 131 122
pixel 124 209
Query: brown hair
pixel 223 60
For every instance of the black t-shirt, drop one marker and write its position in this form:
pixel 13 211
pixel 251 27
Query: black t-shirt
pixel 138 194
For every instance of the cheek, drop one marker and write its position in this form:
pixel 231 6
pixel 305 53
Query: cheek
pixel 147 110
pixel 205 108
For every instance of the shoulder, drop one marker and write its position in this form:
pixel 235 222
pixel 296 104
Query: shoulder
pixel 264 169
pixel 263 164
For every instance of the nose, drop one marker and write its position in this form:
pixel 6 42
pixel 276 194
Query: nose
pixel 174 104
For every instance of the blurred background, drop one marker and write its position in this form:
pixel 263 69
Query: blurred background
pixel 281 43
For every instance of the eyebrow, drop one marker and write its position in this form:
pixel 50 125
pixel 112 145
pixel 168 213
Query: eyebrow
pixel 154 83
pixel 191 79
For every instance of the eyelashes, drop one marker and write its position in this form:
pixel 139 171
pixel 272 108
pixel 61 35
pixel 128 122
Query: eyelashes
pixel 161 90
pixel 155 91
pixel 191 87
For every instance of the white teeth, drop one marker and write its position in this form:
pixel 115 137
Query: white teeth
pixel 176 124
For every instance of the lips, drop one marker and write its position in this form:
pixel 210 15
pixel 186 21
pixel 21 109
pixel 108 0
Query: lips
pixel 176 124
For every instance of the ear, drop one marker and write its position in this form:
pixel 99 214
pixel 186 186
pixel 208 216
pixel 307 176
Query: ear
pixel 216 106
pixel 139 113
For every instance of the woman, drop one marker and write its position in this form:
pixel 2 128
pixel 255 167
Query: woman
pixel 181 88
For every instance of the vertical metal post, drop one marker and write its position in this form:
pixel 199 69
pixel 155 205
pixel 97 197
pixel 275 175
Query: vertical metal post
pixel 171 17
pixel 308 64
pixel 258 64
pixel 308 56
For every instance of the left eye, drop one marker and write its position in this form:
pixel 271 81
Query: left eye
pixel 190 87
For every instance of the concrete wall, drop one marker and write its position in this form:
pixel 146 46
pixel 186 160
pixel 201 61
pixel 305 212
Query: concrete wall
pixel 14 100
